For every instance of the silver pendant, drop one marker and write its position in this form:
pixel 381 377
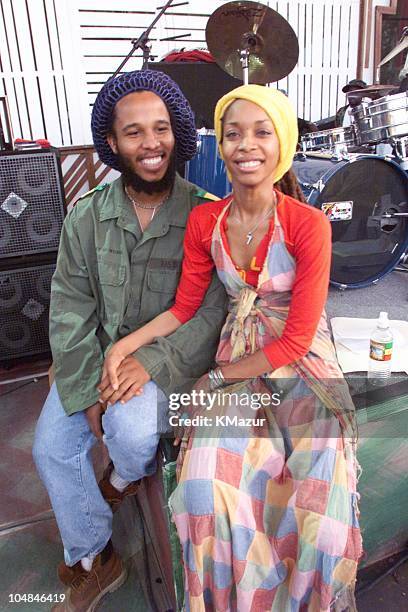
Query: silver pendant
pixel 249 237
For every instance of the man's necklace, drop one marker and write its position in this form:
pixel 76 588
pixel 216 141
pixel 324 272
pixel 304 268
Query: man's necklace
pixel 250 234
pixel 153 207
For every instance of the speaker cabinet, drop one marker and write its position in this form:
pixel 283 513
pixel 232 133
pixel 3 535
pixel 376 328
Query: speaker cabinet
pixel 202 83
pixel 31 203
pixel 24 310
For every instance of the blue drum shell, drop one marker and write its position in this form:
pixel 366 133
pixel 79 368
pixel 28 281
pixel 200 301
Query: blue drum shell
pixel 367 246
pixel 207 169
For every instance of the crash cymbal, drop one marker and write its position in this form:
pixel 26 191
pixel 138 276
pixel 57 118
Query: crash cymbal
pixel 271 42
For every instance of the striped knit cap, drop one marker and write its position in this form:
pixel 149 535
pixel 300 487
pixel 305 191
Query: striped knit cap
pixel 143 80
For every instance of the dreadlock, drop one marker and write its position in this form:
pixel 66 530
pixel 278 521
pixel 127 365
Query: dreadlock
pixel 289 185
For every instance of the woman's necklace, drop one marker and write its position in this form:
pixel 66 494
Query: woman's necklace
pixel 250 234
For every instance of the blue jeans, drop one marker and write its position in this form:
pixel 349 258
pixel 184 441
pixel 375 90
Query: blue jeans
pixel 62 453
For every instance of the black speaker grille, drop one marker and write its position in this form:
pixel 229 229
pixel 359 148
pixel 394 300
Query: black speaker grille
pixel 31 204
pixel 24 310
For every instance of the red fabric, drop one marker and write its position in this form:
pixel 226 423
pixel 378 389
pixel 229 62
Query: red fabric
pixel 251 275
pixel 44 144
pixel 307 235
pixel 195 55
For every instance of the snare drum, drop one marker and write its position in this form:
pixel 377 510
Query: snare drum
pixel 381 119
pixel 342 138
pixel 354 194
pixel 207 169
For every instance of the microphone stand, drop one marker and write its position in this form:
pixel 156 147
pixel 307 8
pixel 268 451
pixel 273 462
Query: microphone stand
pixel 143 41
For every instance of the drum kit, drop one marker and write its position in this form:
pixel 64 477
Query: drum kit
pixel 364 194
pixel 341 171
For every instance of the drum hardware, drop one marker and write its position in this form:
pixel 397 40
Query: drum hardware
pixel 390 215
pixel 251 41
pixel 143 41
pixel 400 147
pixel 340 141
pixel 382 119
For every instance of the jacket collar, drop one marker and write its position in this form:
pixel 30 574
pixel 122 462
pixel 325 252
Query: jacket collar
pixel 115 204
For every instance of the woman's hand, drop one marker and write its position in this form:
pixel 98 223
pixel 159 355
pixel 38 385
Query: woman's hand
pixel 113 359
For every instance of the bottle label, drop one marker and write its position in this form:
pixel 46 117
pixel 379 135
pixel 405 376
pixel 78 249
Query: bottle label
pixel 380 351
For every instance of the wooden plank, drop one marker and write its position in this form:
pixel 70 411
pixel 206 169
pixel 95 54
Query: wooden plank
pixel 302 59
pixel 353 46
pixel 102 48
pixel 10 36
pixel 337 29
pixel 19 120
pixel 36 53
pixel 292 79
pixel 77 176
pixel 79 187
pixel 316 61
pixel 73 65
pixel 124 31
pixel 110 64
pixel 326 59
pixel 119 5
pixel 75 163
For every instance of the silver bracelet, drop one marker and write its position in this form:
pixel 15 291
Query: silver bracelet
pixel 216 378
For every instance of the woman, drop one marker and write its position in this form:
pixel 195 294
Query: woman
pixel 267 517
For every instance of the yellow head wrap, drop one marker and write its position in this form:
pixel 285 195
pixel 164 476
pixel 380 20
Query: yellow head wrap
pixel 277 107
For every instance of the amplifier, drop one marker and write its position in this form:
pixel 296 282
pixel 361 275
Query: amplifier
pixel 31 203
pixel 24 309
pixel 202 83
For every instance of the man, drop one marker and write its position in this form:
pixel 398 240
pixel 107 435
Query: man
pixel 343 116
pixel 118 266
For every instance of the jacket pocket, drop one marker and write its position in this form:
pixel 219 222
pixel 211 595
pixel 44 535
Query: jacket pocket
pixel 160 294
pixel 111 279
pixel 163 281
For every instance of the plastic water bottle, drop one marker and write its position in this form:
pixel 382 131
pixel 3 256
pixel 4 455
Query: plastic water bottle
pixel 381 340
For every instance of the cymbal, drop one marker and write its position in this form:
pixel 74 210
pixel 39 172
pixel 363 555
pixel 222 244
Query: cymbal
pixel 374 92
pixel 271 42
pixel 373 89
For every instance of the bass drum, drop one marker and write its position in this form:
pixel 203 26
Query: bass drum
pixel 355 195
pixel 207 169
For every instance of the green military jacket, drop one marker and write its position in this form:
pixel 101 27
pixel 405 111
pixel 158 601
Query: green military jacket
pixel 111 279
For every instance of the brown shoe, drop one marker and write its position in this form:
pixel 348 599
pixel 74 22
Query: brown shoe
pixel 112 495
pixel 86 589
pixel 67 574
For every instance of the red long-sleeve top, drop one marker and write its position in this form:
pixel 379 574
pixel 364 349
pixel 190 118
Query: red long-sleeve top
pixel 307 235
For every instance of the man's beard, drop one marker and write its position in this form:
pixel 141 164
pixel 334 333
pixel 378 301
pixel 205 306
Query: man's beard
pixel 139 184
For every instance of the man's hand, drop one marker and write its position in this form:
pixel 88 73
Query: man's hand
pixel 94 417
pixel 131 378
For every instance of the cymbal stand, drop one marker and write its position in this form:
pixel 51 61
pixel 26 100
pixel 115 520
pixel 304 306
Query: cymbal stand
pixel 244 59
pixel 143 41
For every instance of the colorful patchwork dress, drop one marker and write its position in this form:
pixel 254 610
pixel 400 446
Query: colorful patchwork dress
pixel 268 517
